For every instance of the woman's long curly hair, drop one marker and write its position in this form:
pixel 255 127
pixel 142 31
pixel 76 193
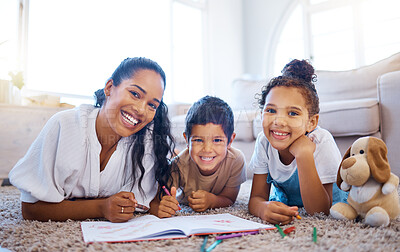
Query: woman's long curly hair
pixel 163 141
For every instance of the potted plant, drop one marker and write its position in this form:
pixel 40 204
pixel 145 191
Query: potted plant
pixel 17 80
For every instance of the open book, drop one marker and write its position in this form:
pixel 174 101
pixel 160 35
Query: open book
pixel 150 227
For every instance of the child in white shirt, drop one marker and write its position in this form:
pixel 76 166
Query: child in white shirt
pixel 295 162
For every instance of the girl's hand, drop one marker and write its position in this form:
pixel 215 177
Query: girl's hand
pixel 278 213
pixel 200 200
pixel 119 207
pixel 168 205
pixel 302 145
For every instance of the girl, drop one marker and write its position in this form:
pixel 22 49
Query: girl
pixel 102 160
pixel 295 161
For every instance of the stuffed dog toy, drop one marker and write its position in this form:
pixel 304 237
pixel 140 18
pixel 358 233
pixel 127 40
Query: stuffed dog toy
pixel 373 195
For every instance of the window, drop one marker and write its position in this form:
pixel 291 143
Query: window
pixel 8 37
pixel 339 35
pixel 74 45
pixel 187 53
pixel 291 42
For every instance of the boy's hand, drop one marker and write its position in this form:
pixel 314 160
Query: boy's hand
pixel 168 205
pixel 119 207
pixel 278 213
pixel 303 144
pixel 200 200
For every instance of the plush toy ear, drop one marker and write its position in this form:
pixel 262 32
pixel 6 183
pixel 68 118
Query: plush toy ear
pixel 339 179
pixel 377 159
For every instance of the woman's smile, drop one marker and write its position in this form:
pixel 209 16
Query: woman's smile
pixel 129 120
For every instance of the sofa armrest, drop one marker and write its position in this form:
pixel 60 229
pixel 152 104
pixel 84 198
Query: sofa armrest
pixel 389 103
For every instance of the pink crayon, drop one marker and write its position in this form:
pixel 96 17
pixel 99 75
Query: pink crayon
pixel 167 192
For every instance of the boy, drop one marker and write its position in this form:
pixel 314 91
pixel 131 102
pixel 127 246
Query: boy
pixel 209 171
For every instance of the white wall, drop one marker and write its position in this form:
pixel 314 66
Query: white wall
pixel 260 19
pixel 239 32
pixel 225 45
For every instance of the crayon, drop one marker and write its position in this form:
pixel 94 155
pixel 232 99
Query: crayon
pixel 203 246
pixel 169 194
pixel 280 230
pixel 221 237
pixel 288 230
pixel 212 246
pixel 143 207
pixel 315 235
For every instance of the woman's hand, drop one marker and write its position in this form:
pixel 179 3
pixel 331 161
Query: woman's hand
pixel 168 205
pixel 119 207
pixel 278 213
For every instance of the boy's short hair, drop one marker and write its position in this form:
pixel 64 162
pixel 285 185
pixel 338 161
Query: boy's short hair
pixel 210 109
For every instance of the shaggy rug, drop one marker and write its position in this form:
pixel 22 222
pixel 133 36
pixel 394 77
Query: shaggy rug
pixel 17 234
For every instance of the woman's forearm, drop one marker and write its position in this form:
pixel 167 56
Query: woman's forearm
pixel 75 210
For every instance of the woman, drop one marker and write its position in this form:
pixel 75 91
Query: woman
pixel 101 161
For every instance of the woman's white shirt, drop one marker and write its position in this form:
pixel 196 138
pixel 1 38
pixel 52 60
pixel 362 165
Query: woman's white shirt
pixel 64 162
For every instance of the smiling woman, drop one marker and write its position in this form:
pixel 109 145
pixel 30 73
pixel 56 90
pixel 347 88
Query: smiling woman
pixel 110 157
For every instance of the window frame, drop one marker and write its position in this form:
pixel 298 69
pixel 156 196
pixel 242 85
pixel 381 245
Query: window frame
pixel 308 10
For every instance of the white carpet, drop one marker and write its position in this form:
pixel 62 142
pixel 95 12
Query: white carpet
pixel 17 234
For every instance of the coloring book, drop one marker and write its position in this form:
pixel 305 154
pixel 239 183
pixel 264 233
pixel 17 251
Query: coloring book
pixel 150 227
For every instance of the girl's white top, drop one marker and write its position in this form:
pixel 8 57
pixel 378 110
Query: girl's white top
pixel 327 158
pixel 64 162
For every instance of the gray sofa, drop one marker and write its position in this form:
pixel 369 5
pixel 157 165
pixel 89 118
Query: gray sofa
pixel 354 103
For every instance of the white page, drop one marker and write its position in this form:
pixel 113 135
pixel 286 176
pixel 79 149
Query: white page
pixel 149 227
pixel 139 228
pixel 217 223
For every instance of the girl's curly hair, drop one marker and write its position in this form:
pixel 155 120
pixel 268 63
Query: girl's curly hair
pixel 299 74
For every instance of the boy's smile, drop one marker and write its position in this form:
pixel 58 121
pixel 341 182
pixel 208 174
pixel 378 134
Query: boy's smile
pixel 208 146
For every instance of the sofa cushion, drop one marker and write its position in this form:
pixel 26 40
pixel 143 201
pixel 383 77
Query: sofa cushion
pixel 257 126
pixel 244 124
pixel 244 93
pixel 354 84
pixel 350 117
pixel 178 127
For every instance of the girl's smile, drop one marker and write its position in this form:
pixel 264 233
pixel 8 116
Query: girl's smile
pixel 285 117
pixel 279 135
